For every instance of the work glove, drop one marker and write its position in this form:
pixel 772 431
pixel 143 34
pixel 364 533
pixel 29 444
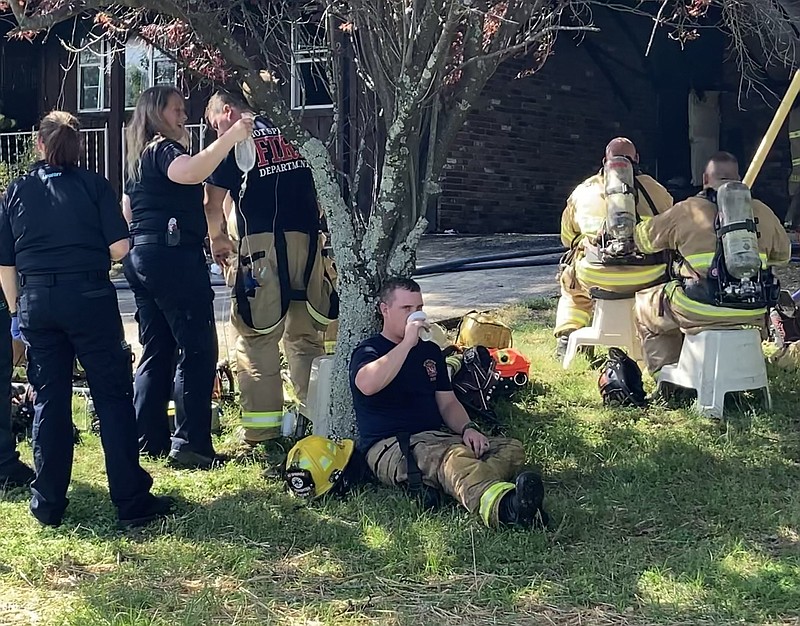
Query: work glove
pixel 15 332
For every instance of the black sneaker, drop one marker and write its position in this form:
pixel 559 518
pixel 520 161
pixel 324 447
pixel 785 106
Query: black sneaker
pixel 159 506
pixel 525 505
pixel 187 459
pixel 20 475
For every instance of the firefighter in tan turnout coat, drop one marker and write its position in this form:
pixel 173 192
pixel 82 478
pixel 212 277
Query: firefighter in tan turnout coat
pixel 580 223
pixel 691 303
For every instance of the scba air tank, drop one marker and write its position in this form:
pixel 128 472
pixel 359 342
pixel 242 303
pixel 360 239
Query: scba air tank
pixel 737 228
pixel 620 198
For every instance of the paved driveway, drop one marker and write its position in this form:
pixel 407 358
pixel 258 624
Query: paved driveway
pixel 446 295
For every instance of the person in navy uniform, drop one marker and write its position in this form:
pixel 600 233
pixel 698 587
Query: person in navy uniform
pixel 60 227
pixel 13 472
pixel 169 278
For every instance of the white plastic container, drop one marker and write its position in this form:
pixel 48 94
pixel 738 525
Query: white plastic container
pixel 319 394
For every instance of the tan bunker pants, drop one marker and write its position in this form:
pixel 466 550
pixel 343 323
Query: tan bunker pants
pixel 447 464
pixel 575 306
pixel 271 313
pixel 665 313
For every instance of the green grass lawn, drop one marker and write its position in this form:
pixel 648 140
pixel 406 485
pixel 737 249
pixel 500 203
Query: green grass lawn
pixel 659 517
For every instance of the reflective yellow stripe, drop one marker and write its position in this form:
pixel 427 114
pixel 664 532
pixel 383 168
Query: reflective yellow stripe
pixel 490 497
pixel 567 234
pixel 703 260
pixel 641 238
pixel 262 420
pixel 796 161
pixel 580 317
pixel 607 277
pixel 319 317
pixel 794 134
pixel 573 317
pixel 685 304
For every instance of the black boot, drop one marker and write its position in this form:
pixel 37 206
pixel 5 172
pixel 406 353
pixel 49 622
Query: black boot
pixel 18 475
pixel 158 506
pixel 525 505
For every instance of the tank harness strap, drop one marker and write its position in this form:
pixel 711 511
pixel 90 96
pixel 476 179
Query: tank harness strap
pixel 749 225
pixel 427 496
pixel 640 187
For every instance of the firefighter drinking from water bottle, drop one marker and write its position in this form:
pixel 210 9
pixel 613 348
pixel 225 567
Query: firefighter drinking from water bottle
pixel 280 286
pixel 726 243
pixel 616 198
pixel 403 398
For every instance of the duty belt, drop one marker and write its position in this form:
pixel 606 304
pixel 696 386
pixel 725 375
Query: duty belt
pixel 161 240
pixel 48 280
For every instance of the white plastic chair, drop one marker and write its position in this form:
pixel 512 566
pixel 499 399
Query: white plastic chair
pixel 716 362
pixel 613 325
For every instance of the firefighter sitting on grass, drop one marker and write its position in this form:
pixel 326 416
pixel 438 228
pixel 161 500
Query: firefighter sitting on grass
pixel 403 398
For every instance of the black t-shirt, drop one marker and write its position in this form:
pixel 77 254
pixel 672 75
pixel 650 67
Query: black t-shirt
pixel 280 192
pixel 408 403
pixel 57 220
pixel 155 199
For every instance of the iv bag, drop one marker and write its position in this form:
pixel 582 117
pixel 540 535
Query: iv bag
pixel 245 154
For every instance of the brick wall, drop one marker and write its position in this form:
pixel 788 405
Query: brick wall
pixel 530 141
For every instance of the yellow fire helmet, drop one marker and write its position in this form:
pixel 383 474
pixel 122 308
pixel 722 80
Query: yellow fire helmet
pixel 315 464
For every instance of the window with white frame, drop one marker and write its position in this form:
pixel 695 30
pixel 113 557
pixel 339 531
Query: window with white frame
pixel 94 86
pixel 310 60
pixel 145 66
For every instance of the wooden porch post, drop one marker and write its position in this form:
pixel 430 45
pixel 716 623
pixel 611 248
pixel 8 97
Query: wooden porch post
pixel 116 118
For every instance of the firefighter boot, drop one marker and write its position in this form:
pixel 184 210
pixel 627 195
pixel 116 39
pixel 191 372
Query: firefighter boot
pixel 561 347
pixel 524 506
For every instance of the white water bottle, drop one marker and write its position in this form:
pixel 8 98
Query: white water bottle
pixel 424 333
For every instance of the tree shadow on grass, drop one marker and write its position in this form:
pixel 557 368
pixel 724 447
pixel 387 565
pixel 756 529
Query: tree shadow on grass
pixel 654 508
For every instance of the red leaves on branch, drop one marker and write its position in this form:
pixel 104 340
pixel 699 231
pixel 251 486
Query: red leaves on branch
pixel 178 39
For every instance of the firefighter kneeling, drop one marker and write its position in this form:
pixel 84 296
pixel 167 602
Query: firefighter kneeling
pixel 403 397
pixel 727 243
pixel 613 201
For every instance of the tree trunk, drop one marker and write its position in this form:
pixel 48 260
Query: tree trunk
pixel 357 320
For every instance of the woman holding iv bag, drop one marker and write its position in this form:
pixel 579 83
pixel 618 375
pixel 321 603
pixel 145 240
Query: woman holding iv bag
pixel 168 276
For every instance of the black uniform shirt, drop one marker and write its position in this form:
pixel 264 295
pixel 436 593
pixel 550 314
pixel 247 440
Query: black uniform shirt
pixel 155 199
pixel 57 220
pixel 408 403
pixel 280 192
